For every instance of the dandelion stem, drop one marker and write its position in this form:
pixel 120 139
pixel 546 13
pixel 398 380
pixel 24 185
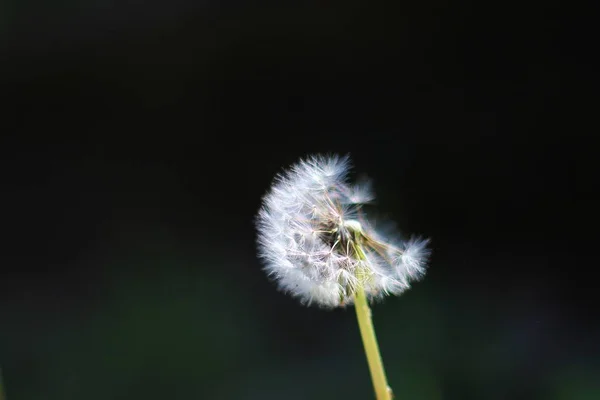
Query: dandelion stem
pixel 365 323
pixel 2 396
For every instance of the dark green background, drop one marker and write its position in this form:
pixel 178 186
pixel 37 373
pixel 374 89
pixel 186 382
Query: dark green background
pixel 138 139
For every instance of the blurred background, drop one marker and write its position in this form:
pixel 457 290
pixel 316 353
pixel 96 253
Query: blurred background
pixel 137 139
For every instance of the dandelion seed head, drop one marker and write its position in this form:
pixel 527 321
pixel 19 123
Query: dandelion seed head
pixel 317 244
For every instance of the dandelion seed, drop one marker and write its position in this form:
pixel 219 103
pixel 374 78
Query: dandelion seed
pixel 317 247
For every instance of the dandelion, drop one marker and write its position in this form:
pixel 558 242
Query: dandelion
pixel 318 245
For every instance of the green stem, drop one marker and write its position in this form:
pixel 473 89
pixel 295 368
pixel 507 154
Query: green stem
pixel 365 323
pixel 2 396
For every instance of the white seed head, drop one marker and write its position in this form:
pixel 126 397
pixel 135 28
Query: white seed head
pixel 317 244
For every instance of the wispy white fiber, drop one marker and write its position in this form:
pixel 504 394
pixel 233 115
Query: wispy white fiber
pixel 317 244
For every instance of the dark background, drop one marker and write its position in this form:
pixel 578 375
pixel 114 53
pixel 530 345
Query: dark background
pixel 138 138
